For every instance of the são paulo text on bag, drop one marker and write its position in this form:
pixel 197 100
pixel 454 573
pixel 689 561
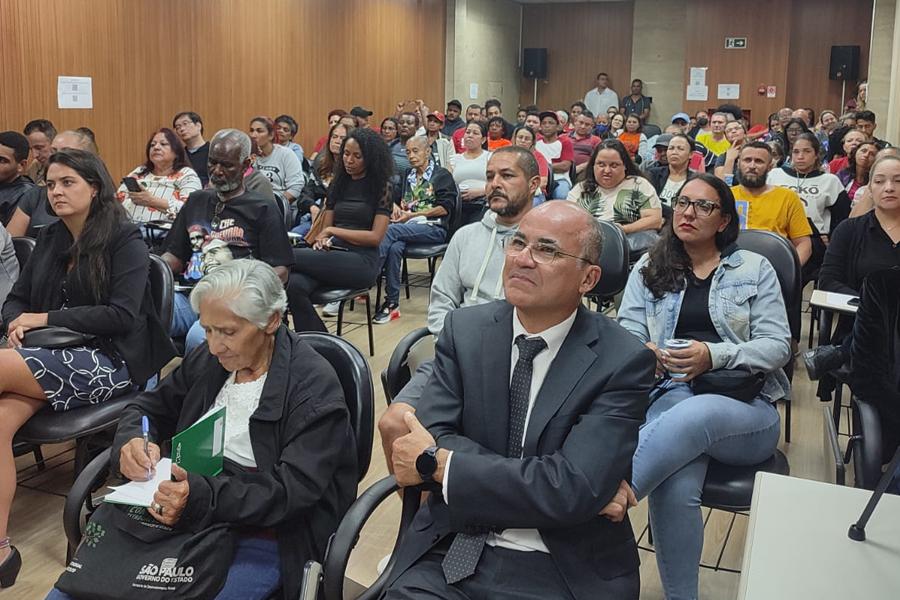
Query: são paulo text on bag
pixel 126 553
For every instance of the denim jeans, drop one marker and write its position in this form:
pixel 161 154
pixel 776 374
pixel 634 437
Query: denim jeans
pixel 390 252
pixel 680 435
pixel 255 572
pixel 562 190
pixel 185 322
pixel 304 224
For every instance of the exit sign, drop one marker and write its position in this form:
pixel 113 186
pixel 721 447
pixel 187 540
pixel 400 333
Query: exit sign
pixel 736 43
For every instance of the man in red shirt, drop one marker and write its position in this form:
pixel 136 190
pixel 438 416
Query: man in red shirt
pixel 583 140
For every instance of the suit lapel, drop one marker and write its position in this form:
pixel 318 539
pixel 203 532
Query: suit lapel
pixel 572 361
pixel 495 379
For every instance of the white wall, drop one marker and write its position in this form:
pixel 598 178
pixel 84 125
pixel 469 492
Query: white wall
pixel 483 48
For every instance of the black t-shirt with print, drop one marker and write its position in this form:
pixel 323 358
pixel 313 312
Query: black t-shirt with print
pixel 207 232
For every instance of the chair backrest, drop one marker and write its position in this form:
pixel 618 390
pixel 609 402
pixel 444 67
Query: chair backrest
pixel 650 130
pixel 398 372
pixel 454 219
pixel 867 445
pixel 162 289
pixel 613 262
pixel 783 257
pixel 356 380
pixel 23 246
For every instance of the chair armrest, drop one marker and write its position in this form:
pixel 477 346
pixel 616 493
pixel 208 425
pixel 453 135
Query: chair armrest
pixel 868 460
pixel 398 362
pixel 77 495
pixel 826 320
pixel 347 535
pixel 832 449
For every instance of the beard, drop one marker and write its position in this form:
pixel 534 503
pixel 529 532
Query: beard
pixel 512 207
pixel 224 186
pixel 753 182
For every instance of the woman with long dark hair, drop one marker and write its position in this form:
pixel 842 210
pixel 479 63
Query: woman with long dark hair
pixel 725 306
pixel 357 211
pixel 89 273
pixel 312 198
pixel 166 180
pixel 856 175
pixel 615 190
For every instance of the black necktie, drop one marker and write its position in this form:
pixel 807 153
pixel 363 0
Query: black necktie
pixel 465 551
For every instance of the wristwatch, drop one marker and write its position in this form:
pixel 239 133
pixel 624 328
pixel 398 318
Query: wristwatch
pixel 426 464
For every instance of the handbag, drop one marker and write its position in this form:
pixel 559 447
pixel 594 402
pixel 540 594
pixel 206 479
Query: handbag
pixel 317 226
pixel 734 383
pixel 56 337
pixel 126 553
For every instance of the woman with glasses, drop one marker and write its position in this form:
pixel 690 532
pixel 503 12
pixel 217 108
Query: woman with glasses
pixel 724 305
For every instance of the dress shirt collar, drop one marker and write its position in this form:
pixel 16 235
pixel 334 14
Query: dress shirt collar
pixel 553 336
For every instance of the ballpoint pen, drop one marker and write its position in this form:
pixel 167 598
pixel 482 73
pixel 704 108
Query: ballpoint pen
pixel 145 430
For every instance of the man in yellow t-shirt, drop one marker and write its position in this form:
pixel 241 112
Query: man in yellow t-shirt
pixel 767 207
pixel 715 139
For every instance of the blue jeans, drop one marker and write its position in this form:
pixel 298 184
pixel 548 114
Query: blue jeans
pixel 680 435
pixel 390 252
pixel 185 322
pixel 562 190
pixel 539 199
pixel 255 572
pixel 304 224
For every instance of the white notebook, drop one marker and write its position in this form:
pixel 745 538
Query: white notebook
pixel 140 493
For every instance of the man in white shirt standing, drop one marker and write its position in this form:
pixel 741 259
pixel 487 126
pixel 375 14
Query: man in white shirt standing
pixel 529 427
pixel 600 98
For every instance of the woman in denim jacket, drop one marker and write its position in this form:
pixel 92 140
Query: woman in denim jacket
pixel 696 284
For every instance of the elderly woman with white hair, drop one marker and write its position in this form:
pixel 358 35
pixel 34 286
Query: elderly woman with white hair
pixel 290 459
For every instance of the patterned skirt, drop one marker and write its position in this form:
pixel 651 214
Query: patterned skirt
pixel 77 376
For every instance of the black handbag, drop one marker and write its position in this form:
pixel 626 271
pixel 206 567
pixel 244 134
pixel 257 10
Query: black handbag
pixel 734 383
pixel 56 337
pixel 126 553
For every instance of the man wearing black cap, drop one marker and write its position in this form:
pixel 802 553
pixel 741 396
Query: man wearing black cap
pixel 361 115
pixel 452 122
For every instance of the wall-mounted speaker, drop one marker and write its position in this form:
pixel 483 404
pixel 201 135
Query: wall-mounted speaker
pixel 534 63
pixel 844 64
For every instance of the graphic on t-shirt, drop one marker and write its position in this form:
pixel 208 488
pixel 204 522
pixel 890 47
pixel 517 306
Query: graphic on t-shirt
pixel 743 211
pixel 230 233
pixel 197 234
pixel 215 254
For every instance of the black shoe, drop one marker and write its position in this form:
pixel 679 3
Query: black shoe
pixel 9 570
pixel 820 360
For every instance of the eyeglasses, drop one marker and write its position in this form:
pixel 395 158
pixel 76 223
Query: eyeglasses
pixel 703 208
pixel 541 252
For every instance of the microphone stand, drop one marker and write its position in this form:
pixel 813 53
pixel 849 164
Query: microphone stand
pixel 857 531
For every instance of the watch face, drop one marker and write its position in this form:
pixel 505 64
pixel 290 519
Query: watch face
pixel 426 465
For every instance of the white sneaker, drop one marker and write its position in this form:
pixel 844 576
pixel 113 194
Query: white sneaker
pixel 331 309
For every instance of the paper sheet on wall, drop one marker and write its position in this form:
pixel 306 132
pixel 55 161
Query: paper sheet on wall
pixel 473 91
pixel 698 92
pixel 698 75
pixel 74 92
pixel 729 91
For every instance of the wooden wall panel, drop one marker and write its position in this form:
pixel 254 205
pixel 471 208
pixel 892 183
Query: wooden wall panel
pixel 815 28
pixel 765 61
pixel 582 39
pixel 229 60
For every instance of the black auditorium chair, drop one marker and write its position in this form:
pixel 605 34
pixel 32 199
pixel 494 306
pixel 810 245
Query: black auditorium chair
pixel 356 380
pixel 81 424
pixel 325 295
pixel 783 258
pixel 399 370
pixel 614 259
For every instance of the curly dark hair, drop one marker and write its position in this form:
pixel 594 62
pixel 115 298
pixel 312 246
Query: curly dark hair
pixel 378 162
pixel 181 158
pixel 104 219
pixel 669 265
pixel 631 169
pixel 785 142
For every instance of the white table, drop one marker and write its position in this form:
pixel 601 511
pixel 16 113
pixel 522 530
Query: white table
pixel 797 545
pixel 833 301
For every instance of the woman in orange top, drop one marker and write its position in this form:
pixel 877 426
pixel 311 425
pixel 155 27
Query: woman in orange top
pixel 495 138
pixel 631 137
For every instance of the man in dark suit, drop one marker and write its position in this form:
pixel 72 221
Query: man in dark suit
pixel 527 427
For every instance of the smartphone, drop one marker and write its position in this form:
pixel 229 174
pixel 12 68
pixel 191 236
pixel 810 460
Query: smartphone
pixel 853 301
pixel 132 185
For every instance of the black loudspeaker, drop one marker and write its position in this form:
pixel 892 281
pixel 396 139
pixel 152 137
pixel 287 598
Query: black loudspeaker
pixel 844 63
pixel 534 63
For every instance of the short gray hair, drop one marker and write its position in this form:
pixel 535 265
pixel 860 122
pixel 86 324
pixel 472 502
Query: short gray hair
pixel 235 136
pixel 250 287
pixel 592 240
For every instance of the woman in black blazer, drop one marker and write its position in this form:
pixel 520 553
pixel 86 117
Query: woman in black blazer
pixel 89 273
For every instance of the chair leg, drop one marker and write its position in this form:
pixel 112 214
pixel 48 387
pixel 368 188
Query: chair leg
pixel 787 421
pixel 836 407
pixel 369 325
pixel 378 281
pixel 813 320
pixel 340 322
pixel 39 458
pixel 406 276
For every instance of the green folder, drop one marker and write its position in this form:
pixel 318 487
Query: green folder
pixel 200 448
